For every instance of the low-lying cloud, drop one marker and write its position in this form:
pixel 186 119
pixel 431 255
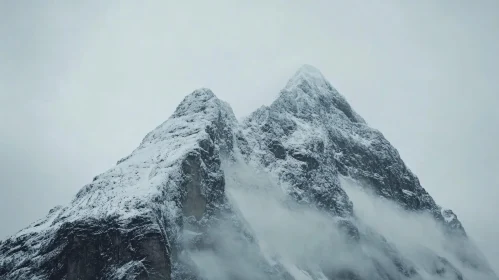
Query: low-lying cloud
pixel 269 236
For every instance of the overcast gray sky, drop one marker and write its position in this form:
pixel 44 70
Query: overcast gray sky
pixel 81 82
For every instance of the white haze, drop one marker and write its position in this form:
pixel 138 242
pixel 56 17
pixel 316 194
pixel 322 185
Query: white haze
pixel 414 234
pixel 306 241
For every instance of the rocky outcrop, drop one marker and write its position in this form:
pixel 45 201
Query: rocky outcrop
pixel 126 224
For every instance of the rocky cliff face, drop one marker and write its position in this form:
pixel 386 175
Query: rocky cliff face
pixel 207 197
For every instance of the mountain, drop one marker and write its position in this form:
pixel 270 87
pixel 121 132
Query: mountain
pixel 300 189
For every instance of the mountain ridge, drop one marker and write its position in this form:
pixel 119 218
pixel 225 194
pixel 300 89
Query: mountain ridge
pixel 147 217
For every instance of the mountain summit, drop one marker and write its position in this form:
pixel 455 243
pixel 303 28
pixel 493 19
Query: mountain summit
pixel 300 189
pixel 309 74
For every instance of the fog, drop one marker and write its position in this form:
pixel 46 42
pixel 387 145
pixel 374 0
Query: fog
pixel 418 236
pixel 280 235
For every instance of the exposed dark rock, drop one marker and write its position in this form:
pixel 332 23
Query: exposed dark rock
pixel 277 149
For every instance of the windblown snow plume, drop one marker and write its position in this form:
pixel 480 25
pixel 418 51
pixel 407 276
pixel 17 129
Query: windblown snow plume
pixel 301 189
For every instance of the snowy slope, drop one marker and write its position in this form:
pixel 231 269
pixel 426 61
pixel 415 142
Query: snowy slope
pixel 138 203
pixel 298 190
pixel 310 138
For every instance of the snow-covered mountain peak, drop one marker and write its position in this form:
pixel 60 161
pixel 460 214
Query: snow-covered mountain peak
pixel 198 110
pixel 274 197
pixel 307 74
pixel 197 101
pixel 203 101
pixel 308 94
pixel 307 69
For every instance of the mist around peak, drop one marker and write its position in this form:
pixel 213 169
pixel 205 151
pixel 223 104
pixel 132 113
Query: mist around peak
pixel 281 239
